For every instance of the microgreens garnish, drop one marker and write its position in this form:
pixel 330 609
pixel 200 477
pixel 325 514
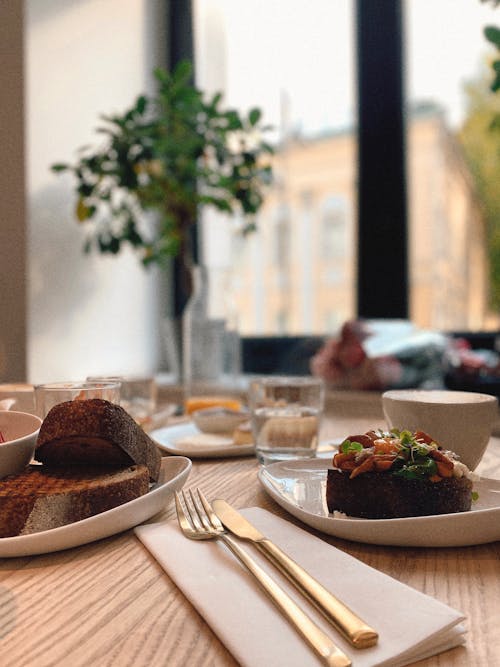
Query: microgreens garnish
pixel 348 446
pixel 417 469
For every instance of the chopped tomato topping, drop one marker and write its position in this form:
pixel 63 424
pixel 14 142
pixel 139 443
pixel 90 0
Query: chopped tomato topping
pixel 423 437
pixel 445 469
pixel 386 446
pixel 366 466
pixel 401 453
pixel 341 457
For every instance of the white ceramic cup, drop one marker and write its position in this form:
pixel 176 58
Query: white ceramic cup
pixel 458 420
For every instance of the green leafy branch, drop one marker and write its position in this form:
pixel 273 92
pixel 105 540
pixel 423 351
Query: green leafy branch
pixel 169 154
pixel 492 34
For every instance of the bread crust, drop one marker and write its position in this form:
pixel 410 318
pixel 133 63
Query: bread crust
pixel 94 432
pixel 379 495
pixel 42 498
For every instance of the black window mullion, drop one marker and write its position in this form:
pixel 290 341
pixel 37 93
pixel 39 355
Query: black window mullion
pixel 382 279
pixel 181 47
pixel 382 288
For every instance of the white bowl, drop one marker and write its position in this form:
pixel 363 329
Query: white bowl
pixel 458 420
pixel 20 431
pixel 218 420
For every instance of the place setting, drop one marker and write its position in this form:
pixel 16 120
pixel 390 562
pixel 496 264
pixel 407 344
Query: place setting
pixel 462 510
pixel 80 466
pixel 89 468
pixel 328 608
pixel 286 415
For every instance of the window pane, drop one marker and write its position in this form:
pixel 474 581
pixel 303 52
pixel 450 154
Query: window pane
pixel 295 61
pixel 449 214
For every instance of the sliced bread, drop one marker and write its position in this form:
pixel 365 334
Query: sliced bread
pixel 41 498
pixel 378 495
pixel 94 432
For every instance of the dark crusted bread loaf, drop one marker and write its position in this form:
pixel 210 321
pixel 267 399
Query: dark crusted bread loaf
pixel 378 495
pixel 41 498
pixel 94 432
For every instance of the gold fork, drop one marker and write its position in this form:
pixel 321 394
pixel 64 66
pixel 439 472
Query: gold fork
pixel 199 522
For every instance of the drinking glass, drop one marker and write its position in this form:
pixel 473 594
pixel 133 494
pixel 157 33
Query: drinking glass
pixel 285 415
pixel 21 393
pixel 48 395
pixel 138 394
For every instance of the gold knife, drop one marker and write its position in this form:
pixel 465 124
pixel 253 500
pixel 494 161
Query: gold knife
pixel 353 628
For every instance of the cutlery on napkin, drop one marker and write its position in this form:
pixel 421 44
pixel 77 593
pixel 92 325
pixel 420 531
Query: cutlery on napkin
pixel 354 628
pixel 411 625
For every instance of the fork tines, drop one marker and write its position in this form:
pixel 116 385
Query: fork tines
pixel 199 510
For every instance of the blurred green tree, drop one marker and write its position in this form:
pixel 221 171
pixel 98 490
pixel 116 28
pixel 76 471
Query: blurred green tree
pixel 481 147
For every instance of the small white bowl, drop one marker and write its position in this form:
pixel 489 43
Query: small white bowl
pixel 20 431
pixel 218 420
pixel 460 421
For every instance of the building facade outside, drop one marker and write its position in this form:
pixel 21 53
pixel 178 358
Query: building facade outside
pixel 296 275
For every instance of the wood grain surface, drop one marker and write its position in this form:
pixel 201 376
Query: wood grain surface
pixel 110 604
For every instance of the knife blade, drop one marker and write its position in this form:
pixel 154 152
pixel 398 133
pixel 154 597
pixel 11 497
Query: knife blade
pixel 353 628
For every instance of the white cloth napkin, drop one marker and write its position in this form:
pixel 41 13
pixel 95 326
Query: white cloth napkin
pixel 411 625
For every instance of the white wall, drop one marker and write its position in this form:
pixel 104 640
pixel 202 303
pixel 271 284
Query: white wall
pixel 87 314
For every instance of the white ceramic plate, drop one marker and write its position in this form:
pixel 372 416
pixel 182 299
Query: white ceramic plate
pixel 169 439
pixel 300 486
pixel 173 473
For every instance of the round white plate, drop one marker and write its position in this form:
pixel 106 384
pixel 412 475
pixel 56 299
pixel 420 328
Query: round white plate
pixel 173 474
pixel 300 488
pixel 170 439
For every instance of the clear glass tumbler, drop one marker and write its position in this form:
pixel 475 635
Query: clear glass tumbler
pixel 48 395
pixel 286 415
pixel 138 394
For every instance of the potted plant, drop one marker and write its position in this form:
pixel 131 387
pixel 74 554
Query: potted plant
pixel 163 158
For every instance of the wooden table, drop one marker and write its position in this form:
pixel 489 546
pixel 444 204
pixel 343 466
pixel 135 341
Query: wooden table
pixel 110 604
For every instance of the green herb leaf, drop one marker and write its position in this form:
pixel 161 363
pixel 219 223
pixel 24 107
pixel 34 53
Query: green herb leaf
pixel 348 446
pixel 407 438
pixel 417 470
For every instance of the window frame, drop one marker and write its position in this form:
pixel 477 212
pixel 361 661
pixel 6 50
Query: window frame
pixel 381 193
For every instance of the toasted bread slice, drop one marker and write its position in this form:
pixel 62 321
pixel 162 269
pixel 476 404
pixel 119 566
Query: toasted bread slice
pixel 378 495
pixel 94 432
pixel 41 498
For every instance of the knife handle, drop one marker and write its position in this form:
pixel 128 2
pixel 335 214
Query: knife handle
pixel 317 639
pixel 353 628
